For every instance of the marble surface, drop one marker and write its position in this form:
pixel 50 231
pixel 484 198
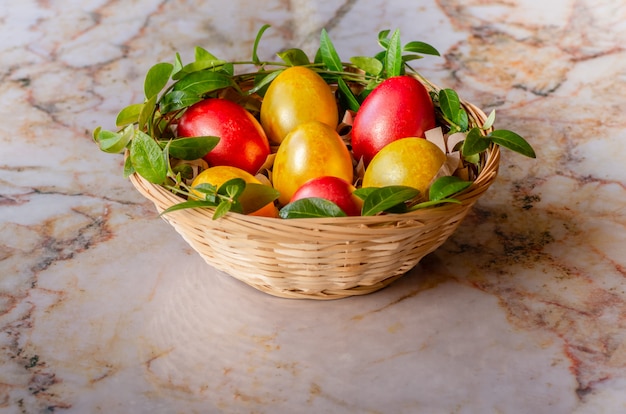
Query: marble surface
pixel 104 308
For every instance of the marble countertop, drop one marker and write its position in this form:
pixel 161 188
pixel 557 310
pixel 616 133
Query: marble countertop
pixel 104 308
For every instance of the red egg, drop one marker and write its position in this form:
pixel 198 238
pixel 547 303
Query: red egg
pixel 243 143
pixel 399 107
pixel 334 189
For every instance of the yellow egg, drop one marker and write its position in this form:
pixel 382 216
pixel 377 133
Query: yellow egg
pixel 296 96
pixel 412 162
pixel 311 150
pixel 218 175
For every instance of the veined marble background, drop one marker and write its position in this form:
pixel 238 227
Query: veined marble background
pixel 104 308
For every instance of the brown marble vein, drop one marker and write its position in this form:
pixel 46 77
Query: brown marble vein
pixel 103 308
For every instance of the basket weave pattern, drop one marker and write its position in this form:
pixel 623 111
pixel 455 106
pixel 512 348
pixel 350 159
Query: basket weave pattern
pixel 322 258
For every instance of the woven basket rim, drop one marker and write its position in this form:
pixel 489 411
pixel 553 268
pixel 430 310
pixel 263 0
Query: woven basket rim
pixel 467 196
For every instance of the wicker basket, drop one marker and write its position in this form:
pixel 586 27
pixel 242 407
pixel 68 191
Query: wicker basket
pixel 326 258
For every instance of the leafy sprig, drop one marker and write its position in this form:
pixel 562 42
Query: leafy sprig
pixel 477 139
pixel 234 195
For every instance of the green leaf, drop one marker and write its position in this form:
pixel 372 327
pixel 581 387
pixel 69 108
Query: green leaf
pixel 113 142
pixel 383 38
pixel 128 167
pixel 235 206
pixel 145 116
pixel 472 159
pixel 188 204
pixel 206 192
pixel 108 141
pixel 178 66
pixel 317 59
pixel 421 47
pixel 222 208
pixel 512 141
pixel 176 100
pixel 450 104
pixel 95 133
pixel 446 186
pixel 474 143
pixel 165 153
pixel 408 58
pixel 257 40
pixel 463 120
pixel 232 188
pixel 312 207
pixel 184 170
pixel 190 148
pixel 129 115
pixel 228 68
pixel 434 203
pixel 347 94
pixel 393 56
pixel 263 81
pixel 203 55
pixel 294 57
pixel 490 120
pixel 200 83
pixel 256 196
pixel 156 78
pixel 209 65
pixel 385 198
pixel 364 192
pixel 329 54
pixel 147 158
pixel 369 65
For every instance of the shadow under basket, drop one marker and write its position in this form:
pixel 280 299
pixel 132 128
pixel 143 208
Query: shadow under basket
pixel 322 258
